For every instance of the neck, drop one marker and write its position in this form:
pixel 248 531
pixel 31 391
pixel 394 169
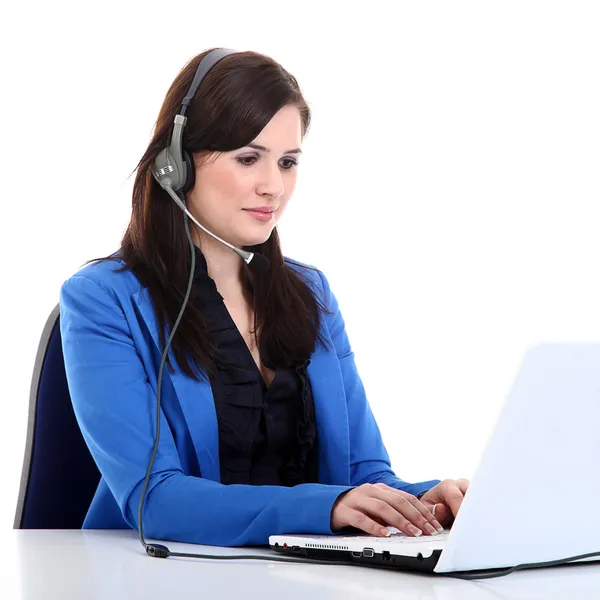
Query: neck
pixel 224 266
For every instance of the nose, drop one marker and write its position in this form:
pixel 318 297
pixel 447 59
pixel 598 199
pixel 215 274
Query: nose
pixel 271 181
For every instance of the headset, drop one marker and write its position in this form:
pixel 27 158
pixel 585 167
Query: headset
pixel 174 171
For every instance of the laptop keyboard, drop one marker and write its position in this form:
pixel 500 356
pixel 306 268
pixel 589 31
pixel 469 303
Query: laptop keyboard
pixel 398 536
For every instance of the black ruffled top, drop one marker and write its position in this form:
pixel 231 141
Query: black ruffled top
pixel 267 435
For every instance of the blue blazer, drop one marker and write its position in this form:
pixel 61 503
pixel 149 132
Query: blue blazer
pixel 112 356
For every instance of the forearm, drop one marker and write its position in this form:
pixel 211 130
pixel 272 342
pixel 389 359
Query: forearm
pixel 195 510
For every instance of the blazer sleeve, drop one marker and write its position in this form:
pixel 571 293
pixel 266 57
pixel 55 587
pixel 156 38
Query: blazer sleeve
pixel 369 460
pixel 116 411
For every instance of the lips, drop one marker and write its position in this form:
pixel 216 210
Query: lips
pixel 260 215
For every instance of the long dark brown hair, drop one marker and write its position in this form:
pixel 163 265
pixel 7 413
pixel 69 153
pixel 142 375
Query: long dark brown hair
pixel 235 101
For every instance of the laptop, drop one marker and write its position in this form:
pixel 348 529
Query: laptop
pixel 533 494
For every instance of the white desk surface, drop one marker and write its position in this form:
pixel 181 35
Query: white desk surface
pixel 113 565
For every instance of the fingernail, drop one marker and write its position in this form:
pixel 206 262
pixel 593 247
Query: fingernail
pixel 386 532
pixel 437 525
pixel 430 530
pixel 416 532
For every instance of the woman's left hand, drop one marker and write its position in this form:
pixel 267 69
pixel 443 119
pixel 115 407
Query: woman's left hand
pixel 446 497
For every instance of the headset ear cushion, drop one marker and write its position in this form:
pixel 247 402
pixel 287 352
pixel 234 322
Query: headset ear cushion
pixel 190 172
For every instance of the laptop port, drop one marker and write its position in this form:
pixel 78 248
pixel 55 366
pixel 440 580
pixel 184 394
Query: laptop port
pixel 356 554
pixel 387 555
pixel 368 552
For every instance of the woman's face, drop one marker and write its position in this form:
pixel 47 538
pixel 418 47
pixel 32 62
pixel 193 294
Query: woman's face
pixel 229 184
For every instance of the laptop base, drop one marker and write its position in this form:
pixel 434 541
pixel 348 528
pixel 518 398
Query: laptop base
pixel 366 558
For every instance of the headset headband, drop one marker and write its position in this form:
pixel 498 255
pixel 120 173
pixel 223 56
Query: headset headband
pixel 174 167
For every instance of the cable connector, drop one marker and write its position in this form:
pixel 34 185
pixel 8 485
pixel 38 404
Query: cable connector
pixel 157 551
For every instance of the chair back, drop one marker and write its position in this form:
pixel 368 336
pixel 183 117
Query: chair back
pixel 59 476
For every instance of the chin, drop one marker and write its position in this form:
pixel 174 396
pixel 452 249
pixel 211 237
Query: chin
pixel 254 240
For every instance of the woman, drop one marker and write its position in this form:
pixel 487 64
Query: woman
pixel 264 423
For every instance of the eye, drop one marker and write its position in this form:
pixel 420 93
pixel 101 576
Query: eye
pixel 243 160
pixel 248 161
pixel 292 165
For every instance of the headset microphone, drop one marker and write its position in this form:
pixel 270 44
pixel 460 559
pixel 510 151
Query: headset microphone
pixel 257 262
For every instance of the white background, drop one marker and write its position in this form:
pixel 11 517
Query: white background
pixel 449 186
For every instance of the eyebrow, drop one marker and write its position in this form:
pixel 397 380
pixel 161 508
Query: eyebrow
pixel 259 147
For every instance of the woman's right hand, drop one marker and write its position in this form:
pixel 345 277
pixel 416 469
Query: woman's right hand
pixel 372 507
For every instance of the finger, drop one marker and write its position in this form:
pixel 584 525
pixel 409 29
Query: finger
pixel 443 514
pixel 427 514
pixel 423 509
pixel 391 508
pixel 463 485
pixel 420 510
pixel 360 520
pixel 452 496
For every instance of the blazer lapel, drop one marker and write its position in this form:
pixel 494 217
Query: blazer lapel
pixel 331 415
pixel 195 398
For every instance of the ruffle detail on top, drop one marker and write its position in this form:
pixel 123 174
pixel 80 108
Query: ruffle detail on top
pixel 267 435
